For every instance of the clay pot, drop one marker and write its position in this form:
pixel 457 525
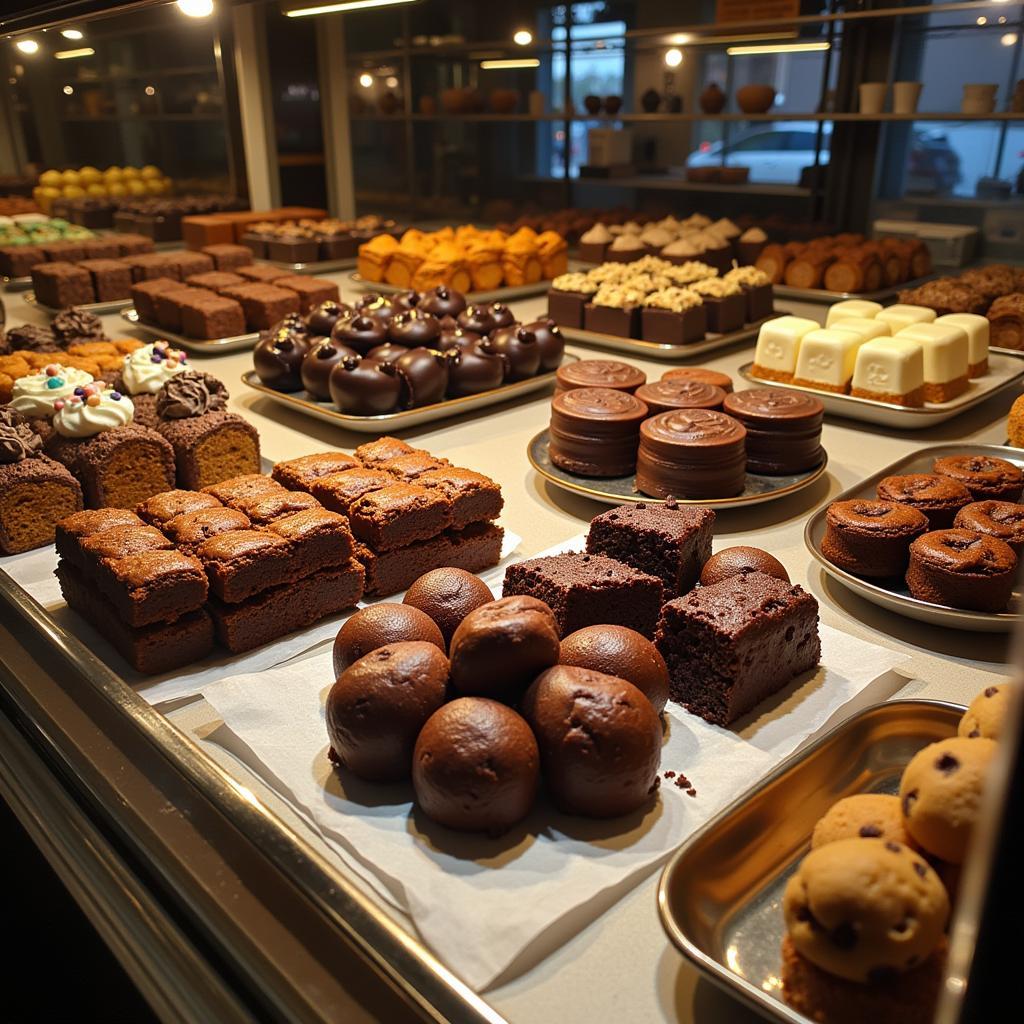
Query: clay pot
pixel 712 99
pixel 388 103
pixel 428 105
pixel 453 101
pixel 504 101
pixel 650 101
pixel 612 104
pixel 593 104
pixel 755 99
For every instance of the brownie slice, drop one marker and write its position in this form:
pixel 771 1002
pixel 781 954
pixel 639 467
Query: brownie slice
pixel 164 507
pixel 227 256
pixel 191 529
pixel 264 509
pixel 340 491
pixel 18 260
pixel 118 542
pixel 399 514
pixel 239 488
pixel 298 474
pixel 409 468
pixel 384 449
pixel 589 590
pixel 101 248
pixel 169 303
pixel 189 263
pixel 214 280
pixel 71 531
pixel 151 265
pixel 310 290
pixel 669 541
pixel 261 272
pixel 212 317
pixel 144 295
pixel 68 251
pixel 731 645
pixel 264 304
pixel 62 284
pixel 152 586
pixel 131 244
pixel 111 279
pixel 475 498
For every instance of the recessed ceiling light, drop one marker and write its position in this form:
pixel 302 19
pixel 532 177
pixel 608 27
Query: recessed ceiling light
pixel 69 90
pixel 366 80
pixel 196 8
pixel 27 45
pixel 72 33
pixel 674 57
pixel 523 37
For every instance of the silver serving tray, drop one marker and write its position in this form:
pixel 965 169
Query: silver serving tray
pixel 622 490
pixel 656 350
pixel 720 895
pixel 1005 372
pixel 16 284
pixel 215 345
pixel 302 402
pixel 785 291
pixel 315 267
pixel 894 595
pixel 99 308
pixel 507 294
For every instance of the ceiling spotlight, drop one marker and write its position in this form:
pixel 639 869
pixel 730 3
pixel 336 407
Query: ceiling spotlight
pixel 1009 39
pixel 27 45
pixel 982 21
pixel 196 8
pixel 509 65
pixel 366 80
pixel 72 33
pixel 391 82
pixel 149 90
pixel 523 37
pixel 673 57
pixel 69 90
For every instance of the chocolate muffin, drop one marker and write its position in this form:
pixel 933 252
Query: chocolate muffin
pixel 378 705
pixel 962 569
pixel 518 347
pixel 379 625
pixel 442 301
pixel 364 387
pixel 1001 519
pixel 476 767
pixel 938 497
pixel 360 331
pixel 987 478
pixel 599 373
pixel 621 652
pixel 448 595
pixel 783 429
pixel 666 395
pixel 278 358
pixel 595 431
pixel 499 648
pixel 414 328
pixel 599 739
pixel 550 342
pixel 316 368
pixel 734 561
pixel 705 376
pixel 871 538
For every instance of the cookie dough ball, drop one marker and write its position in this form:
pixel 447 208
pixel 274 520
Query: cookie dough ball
pixel 380 624
pixel 732 561
pixel 502 646
pixel 378 706
pixel 863 816
pixel 985 714
pixel 865 911
pixel 475 766
pixel 941 794
pixel 448 595
pixel 622 652
pixel 599 739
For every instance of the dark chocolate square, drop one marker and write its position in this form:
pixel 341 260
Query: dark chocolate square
pixel 622 323
pixel 566 308
pixel 671 327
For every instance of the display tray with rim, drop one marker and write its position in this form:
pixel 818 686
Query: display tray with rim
pixel 508 293
pixel 313 267
pixel 214 345
pixel 622 489
pixel 98 308
pixel 893 595
pixel 16 284
pixel 823 295
pixel 1004 373
pixel 657 350
pixel 720 896
pixel 302 402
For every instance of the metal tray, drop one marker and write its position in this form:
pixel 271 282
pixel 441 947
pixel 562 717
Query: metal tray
pixel 99 308
pixel 301 401
pixel 720 895
pixel 785 291
pixel 16 284
pixel 621 490
pixel 214 345
pixel 1005 372
pixel 893 595
pixel 508 294
pixel 655 350
pixel 316 267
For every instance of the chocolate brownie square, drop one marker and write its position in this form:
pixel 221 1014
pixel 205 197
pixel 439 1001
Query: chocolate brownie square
pixel 399 514
pixel 212 317
pixel 731 645
pixel 128 220
pixel 622 323
pixel 589 590
pixel 261 272
pixel 214 280
pixel 161 227
pixel 384 449
pixel 101 248
pixel 150 265
pixel 18 260
pixel 292 249
pixel 241 488
pixel 168 305
pixel 310 290
pixel 70 252
pixel 475 498
pixel 264 304
pixel 667 541
pixel 118 542
pixel 566 308
pixel 342 246
pixel 131 244
pixel 152 586
pixel 111 279
pixel 298 474
pixel 264 509
pixel 191 529
pixel 74 529
pixel 144 295
pixel 189 263
pixel 62 284
pixel 340 491
pixel 227 256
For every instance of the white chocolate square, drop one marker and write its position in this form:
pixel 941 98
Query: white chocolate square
pixel 778 342
pixel 945 350
pixel 867 329
pixel 827 356
pixel 889 366
pixel 900 316
pixel 977 330
pixel 860 308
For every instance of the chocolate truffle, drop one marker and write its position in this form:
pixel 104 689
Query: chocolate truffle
pixel 595 431
pixel 713 377
pixel 402 302
pixel 783 429
pixel 378 625
pixel 518 347
pixel 378 705
pixel 600 373
pixel 278 358
pixel 321 319
pixel 386 353
pixel 474 369
pixel 476 767
pixel 364 387
pixel 424 376
pixel 293 323
pixel 448 595
pixel 477 318
pixel 599 740
pixel 500 647
pixel 359 331
pixel 622 652
pixel 442 301
pixel 550 341
pixel 414 328
pixel 501 314
pixel 375 305
pixel 454 337
pixel 732 561
pixel 319 362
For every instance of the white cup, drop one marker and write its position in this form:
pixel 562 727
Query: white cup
pixel 872 97
pixel 905 96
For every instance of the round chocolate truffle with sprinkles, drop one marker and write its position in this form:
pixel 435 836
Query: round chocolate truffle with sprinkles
pixel 378 625
pixel 732 561
pixel 448 595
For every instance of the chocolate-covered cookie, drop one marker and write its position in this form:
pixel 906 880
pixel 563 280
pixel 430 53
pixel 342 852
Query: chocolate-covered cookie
pixel 364 387
pixel 448 595
pixel 378 625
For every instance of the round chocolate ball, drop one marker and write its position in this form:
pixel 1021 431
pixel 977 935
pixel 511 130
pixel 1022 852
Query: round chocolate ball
pixel 442 301
pixel 377 707
pixel 473 369
pixel 519 348
pixel 475 767
pixel 292 322
pixel 414 328
pixel 599 740
pixel 375 305
pixel 278 357
pixel 404 301
pixel 622 652
pixel 322 319
pixel 454 337
pixel 378 625
pixel 386 353
pixel 364 387
pixel 477 318
pixel 501 314
pixel 359 331
pixel 319 362
pixel 733 561
pixel 501 647
pixel 424 376
pixel 550 342
pixel 448 595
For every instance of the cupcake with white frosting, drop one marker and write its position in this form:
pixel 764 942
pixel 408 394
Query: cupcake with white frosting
pixel 144 373
pixel 33 395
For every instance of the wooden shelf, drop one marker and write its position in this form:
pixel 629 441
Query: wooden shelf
pixel 673 183
pixel 110 118
pixel 400 117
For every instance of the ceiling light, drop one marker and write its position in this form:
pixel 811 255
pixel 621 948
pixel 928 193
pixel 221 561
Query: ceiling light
pixel 69 90
pixel 523 37
pixel 149 90
pixel 743 51
pixel 27 45
pixel 85 51
pixel 366 80
pixel 348 5
pixel 196 8
pixel 71 33
pixel 1002 21
pixel 673 57
pixel 391 82
pixel 1009 39
pixel 500 65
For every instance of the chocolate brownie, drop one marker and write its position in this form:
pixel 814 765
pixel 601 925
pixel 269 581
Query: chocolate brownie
pixel 189 530
pixel 667 541
pixel 474 497
pixel 68 251
pixel 150 265
pixel 384 449
pixel 298 474
pixel 264 304
pixel 399 514
pixel 310 290
pixel 261 272
pixel 101 248
pixel 214 280
pixel 131 244
pixel 118 542
pixel 62 284
pixel 239 488
pixel 189 263
pixel 111 279
pixel 18 260
pixel 151 586
pixel 75 528
pixel 264 509
pixel 227 256
pixel 164 507
pixel 339 491
pixel 168 305
pixel 212 317
pixel 731 645
pixel 588 590
pixel 144 295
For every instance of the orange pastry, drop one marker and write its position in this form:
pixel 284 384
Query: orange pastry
pixel 92 349
pixel 484 263
pixel 6 384
pixel 1015 426
pixel 374 256
pixel 459 277
pixel 554 254
pixel 15 365
pixel 445 234
pixel 127 345
pixel 402 267
pixel 415 240
pixel 91 366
